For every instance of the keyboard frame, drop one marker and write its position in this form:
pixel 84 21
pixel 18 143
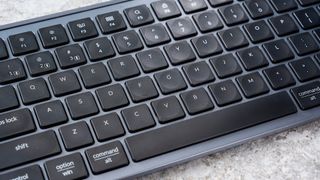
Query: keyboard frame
pixel 175 157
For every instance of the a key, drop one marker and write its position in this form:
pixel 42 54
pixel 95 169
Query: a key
pixel 112 97
pixel 225 65
pixel 111 22
pixel 30 172
pixel 252 58
pixel 305 69
pixel 191 6
pixel 180 52
pixel 139 15
pixel 152 60
pixel 307 18
pixel 11 70
pixel 94 75
pixel 40 63
pixel 215 3
pixel 141 89
pixel 181 28
pixel 3 50
pixel 64 83
pixel 53 36
pixel 123 67
pixel 82 29
pixel 283 25
pixel 168 109
pixel 196 101
pixel 258 8
pixel 307 95
pixel 252 85
pixel 155 34
pixel 8 98
pixel 284 5
pixel 206 45
pixel 308 2
pixel 278 51
pixel 225 93
pixel 33 91
pixel 170 81
pixel 70 56
pixel 258 31
pixel 198 73
pixel 98 49
pixel 23 43
pixel 304 43
pixel 138 118
pixel 279 77
pixel 127 41
pixel 233 14
pixel 165 9
pixel 233 38
pixel 207 21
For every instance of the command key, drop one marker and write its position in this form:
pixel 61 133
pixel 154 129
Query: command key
pixel 308 95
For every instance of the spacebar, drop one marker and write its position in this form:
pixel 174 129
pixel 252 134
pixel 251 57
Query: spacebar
pixel 168 138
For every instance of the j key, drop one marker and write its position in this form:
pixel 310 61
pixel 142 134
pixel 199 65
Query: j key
pixel 180 52
pixel 284 5
pixel 226 65
pixel 167 109
pixel 123 67
pixel 23 43
pixel 305 69
pixel 284 25
pixel 215 3
pixel 258 31
pixel 40 63
pixel 94 75
pixel 308 2
pixel 207 21
pixel 165 9
pixel 206 45
pixel 99 48
pixel 252 58
pixel 141 89
pixel 8 98
pixel 225 93
pixel 181 28
pixel 127 41
pixel 3 50
pixel 152 60
pixel 76 135
pixel 196 101
pixel 307 18
pixel 154 34
pixel 53 36
pixel 64 83
pixel 190 6
pixel 33 91
pixel 11 70
pixel 138 118
pixel 279 77
pixel 50 114
pixel 170 81
pixel 233 14
pixel 258 8
pixel 67 167
pixel 30 172
pixel 233 38
pixel 82 105
pixel 112 97
pixel 307 95
pixel 70 56
pixel 278 51
pixel 111 22
pixel 252 85
pixel 28 149
pixel 16 123
pixel 107 127
pixel 304 43
pixel 198 73
pixel 82 29
pixel 139 15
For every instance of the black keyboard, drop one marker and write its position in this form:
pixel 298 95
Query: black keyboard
pixel 117 90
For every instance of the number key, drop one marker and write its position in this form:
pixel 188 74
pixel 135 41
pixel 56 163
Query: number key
pixel 40 63
pixel 70 56
pixel 258 8
pixel 11 70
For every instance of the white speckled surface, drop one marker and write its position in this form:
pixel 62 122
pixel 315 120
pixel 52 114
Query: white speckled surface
pixel 294 154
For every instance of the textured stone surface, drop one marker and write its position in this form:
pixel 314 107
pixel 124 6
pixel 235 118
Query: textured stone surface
pixel 294 154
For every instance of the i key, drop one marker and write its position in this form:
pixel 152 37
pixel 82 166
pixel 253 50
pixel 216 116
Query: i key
pixel 233 38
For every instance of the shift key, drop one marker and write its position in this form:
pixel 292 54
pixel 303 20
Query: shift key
pixel 307 95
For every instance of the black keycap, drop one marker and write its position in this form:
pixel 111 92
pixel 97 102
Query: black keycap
pixel 152 60
pixel 278 51
pixel 233 38
pixel 33 91
pixel 94 75
pixel 225 65
pixel 284 5
pixel 317 34
pixel 82 29
pixel 305 69
pixel 66 167
pixel 279 77
pixel 215 3
pixel 16 123
pixel 70 56
pixel 207 21
pixel 123 67
pixel 191 6
pixel 180 52
pixel 258 31
pixel 107 127
pixel 50 114
pixel 138 15
pixel 98 49
pixel 252 85
pixel 252 58
pixel 112 97
pixel 198 73
pixel 283 25
pixel 27 149
pixel 203 127
pixel 258 8
pixel 100 161
pixel 167 109
pixel 307 95
pixel 196 101
pixel 138 118
pixel 82 105
pixel 165 9
pixel 64 83
pixel 308 2
pixel 23 43
pixel 307 18
pixel 53 36
pixel 317 56
pixel 11 70
pixel 225 93
pixel 304 43
pixel 141 89
pixel 181 28
pixel 40 63
pixel 155 34
pixel 233 14
pixel 127 41
pixel 111 22
pixel 206 45
pixel 8 98
pixel 170 81
pixel 30 172
pixel 3 50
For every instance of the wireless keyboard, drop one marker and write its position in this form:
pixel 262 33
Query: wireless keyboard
pixel 121 89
